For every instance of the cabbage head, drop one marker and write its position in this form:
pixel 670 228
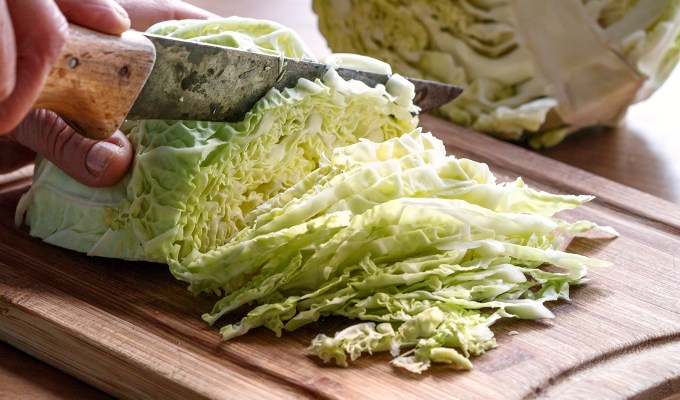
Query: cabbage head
pixel 193 183
pixel 532 70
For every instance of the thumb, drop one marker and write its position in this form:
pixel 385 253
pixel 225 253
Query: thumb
pixel 90 162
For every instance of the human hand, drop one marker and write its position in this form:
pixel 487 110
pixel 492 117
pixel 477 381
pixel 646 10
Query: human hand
pixel 32 35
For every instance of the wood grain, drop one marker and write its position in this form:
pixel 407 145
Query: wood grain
pixel 34 380
pixel 132 331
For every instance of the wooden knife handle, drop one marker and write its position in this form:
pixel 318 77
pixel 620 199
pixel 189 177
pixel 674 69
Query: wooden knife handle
pixel 97 79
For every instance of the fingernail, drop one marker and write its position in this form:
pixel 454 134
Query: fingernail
pixel 99 157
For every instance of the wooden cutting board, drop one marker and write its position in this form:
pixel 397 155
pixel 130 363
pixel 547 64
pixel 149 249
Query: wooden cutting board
pixel 132 330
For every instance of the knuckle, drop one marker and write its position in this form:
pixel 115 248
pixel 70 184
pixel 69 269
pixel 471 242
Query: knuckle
pixel 57 38
pixel 6 89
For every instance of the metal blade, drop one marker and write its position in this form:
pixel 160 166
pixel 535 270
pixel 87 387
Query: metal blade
pixel 198 81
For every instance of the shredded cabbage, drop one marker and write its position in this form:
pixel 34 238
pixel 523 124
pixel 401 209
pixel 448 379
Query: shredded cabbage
pixel 532 70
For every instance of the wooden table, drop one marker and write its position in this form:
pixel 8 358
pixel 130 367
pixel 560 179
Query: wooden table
pixel 642 153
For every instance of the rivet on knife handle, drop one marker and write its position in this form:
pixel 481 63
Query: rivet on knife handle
pixel 96 80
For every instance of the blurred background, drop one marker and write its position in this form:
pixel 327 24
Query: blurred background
pixel 296 14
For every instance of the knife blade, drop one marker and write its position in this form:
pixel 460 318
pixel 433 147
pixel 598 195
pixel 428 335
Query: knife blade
pixel 101 80
pixel 197 81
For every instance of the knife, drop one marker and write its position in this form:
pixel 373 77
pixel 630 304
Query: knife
pixel 101 80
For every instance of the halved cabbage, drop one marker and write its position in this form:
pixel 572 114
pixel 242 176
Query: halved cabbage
pixel 532 70
pixel 193 183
